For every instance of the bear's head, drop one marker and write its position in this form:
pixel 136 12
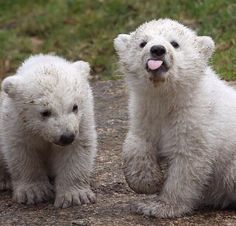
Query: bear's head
pixel 49 95
pixel 163 50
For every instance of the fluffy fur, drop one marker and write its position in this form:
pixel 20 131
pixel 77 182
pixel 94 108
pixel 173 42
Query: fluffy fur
pixel 48 98
pixel 185 115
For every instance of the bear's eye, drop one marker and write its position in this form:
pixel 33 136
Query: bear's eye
pixel 142 44
pixel 175 44
pixel 46 113
pixel 75 108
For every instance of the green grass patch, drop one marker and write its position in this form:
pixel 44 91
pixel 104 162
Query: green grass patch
pixel 85 29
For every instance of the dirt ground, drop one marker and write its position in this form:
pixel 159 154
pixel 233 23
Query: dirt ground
pixel 109 184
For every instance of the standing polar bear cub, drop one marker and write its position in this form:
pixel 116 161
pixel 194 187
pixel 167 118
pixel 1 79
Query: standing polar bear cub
pixel 48 130
pixel 179 111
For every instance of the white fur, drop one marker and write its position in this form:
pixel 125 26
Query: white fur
pixel 29 140
pixel 188 118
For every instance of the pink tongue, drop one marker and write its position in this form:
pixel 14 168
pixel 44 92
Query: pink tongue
pixel 154 64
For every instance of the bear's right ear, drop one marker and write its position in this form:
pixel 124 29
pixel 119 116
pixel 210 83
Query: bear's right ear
pixel 82 67
pixel 121 43
pixel 11 85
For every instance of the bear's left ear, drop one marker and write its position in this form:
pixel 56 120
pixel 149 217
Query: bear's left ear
pixel 13 85
pixel 82 67
pixel 121 43
pixel 206 46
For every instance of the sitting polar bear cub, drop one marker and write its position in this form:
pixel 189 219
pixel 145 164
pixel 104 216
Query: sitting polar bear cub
pixel 48 130
pixel 182 112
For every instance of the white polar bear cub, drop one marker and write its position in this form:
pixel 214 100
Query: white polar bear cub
pixel 179 111
pixel 48 130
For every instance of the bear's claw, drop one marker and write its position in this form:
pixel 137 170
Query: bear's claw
pixel 74 197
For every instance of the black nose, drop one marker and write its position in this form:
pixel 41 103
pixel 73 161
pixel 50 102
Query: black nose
pixel 157 51
pixel 66 138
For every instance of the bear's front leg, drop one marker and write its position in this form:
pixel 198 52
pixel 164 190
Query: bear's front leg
pixel 73 167
pixel 182 190
pixel 142 171
pixel 29 178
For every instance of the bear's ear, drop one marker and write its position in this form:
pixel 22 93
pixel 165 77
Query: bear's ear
pixel 12 85
pixel 82 67
pixel 121 43
pixel 206 46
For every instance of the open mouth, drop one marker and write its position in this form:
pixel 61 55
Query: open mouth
pixel 157 69
pixel 156 66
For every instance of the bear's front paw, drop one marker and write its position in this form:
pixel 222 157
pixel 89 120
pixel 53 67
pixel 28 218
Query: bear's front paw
pixel 33 193
pixel 75 196
pixel 144 181
pixel 160 209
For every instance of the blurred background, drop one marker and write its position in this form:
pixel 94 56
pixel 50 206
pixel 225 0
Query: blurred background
pixel 85 29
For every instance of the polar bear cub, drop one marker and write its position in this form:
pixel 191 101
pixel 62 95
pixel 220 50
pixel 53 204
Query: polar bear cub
pixel 180 111
pixel 48 131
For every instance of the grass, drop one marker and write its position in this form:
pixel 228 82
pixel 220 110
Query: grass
pixel 85 29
